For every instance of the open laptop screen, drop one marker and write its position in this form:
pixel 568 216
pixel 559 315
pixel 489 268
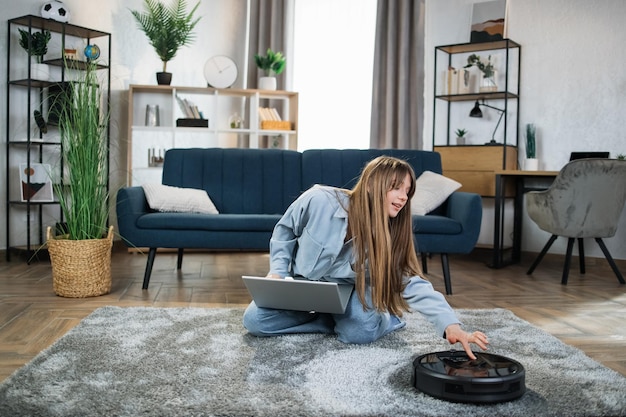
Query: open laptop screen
pixel 584 155
pixel 301 295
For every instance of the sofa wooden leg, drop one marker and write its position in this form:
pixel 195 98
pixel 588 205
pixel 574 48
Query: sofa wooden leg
pixel 446 273
pixel 424 263
pixel 179 262
pixel 148 272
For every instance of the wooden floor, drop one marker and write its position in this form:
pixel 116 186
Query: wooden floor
pixel 588 313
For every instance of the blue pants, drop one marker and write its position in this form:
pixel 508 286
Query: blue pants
pixel 353 326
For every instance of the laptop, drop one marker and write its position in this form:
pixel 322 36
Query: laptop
pixel 298 294
pixel 584 155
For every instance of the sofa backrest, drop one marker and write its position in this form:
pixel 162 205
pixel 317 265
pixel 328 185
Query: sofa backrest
pixel 267 181
pixel 342 167
pixel 242 181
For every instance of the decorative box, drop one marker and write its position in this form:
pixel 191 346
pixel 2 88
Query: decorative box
pixel 275 125
pixel 192 122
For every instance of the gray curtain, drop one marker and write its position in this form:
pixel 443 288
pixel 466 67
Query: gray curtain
pixel 268 29
pixel 398 87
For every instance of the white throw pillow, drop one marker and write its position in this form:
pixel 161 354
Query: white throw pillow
pixel 183 200
pixel 431 189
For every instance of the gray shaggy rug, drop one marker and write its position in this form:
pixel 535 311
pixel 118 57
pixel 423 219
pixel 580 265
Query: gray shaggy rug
pixel 201 362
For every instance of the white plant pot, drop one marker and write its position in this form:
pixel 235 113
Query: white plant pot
pixel 531 164
pixel 267 83
pixel 39 72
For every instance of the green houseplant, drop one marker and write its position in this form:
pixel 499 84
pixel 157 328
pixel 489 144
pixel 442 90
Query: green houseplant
pixel 460 136
pixel 272 64
pixel 488 82
pixel 36 44
pixel 81 254
pixel 168 28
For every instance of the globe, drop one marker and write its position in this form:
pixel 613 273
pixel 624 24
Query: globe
pixel 92 52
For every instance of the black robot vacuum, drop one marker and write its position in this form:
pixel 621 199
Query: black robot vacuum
pixel 453 376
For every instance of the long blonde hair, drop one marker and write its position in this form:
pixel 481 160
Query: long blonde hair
pixel 383 244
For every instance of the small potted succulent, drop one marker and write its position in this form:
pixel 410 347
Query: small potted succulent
pixel 36 44
pixel 272 64
pixel 460 136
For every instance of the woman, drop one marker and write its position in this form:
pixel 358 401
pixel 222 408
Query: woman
pixel 361 236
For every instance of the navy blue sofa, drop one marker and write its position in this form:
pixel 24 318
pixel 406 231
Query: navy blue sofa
pixel 251 188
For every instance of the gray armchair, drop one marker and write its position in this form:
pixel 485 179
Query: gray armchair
pixel 585 201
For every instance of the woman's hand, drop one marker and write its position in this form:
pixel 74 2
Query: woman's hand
pixel 272 275
pixel 455 334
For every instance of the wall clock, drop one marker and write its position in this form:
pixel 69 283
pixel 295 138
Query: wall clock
pixel 220 71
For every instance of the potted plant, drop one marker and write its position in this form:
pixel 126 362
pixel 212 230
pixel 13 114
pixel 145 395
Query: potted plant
pixel 531 163
pixel 460 136
pixel 272 64
pixel 488 81
pixel 81 253
pixel 36 44
pixel 168 28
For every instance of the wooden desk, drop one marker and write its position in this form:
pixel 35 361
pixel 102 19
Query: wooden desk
pixel 519 180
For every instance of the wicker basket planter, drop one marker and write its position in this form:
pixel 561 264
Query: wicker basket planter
pixel 80 268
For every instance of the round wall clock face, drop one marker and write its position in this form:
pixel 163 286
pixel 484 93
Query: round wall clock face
pixel 220 71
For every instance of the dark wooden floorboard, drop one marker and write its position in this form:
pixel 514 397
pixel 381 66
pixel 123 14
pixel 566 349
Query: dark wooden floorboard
pixel 587 313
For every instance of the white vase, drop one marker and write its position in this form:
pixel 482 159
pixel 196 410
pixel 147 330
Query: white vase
pixel 39 72
pixel 267 83
pixel 531 164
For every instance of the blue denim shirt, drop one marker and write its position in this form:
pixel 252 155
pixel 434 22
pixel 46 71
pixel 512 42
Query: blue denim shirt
pixel 308 241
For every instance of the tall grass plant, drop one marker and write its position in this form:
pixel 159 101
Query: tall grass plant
pixel 83 193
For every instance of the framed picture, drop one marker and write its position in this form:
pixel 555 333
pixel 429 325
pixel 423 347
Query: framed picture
pixel 39 186
pixel 488 21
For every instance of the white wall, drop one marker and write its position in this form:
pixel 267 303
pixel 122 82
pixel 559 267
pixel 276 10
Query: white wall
pixel 573 86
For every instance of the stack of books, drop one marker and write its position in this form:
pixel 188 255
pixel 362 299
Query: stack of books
pixel 193 116
pixel 271 120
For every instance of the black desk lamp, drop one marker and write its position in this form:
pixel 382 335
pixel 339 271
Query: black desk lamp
pixel 476 112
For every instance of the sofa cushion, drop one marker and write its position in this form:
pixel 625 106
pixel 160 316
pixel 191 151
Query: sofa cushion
pixel 210 222
pixel 175 199
pixel 431 190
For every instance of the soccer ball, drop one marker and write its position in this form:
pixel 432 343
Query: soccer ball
pixel 55 10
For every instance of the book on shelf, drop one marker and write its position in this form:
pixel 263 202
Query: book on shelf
pixel 271 120
pixel 269 114
pixel 188 108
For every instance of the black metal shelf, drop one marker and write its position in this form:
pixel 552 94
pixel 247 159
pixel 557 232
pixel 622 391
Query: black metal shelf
pixel 497 95
pixel 37 22
pixel 33 146
pixel 509 93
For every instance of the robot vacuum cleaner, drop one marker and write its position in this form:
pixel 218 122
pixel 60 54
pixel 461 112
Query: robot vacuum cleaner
pixel 453 376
